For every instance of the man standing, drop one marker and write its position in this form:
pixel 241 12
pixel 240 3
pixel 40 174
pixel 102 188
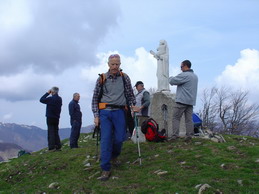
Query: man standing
pixel 113 91
pixel 53 110
pixel 186 93
pixel 142 102
pixel 75 120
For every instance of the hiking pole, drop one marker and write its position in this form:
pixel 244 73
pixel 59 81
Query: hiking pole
pixel 97 131
pixel 137 134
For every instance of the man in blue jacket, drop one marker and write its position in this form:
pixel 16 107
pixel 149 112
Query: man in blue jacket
pixel 75 120
pixel 53 109
pixel 186 93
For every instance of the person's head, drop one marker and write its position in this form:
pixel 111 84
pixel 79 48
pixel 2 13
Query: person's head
pixel 139 85
pixel 76 96
pixel 54 90
pixel 186 65
pixel 114 62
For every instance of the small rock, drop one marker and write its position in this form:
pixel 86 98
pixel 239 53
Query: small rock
pixel 156 155
pixel 214 139
pixel 115 177
pixel 162 173
pixel 257 160
pixel 88 164
pixel 183 162
pixel 157 171
pixel 240 182
pixel 54 185
pixel 244 138
pixel 231 147
pixel 88 156
pixel 203 188
pixel 198 186
pixel 222 166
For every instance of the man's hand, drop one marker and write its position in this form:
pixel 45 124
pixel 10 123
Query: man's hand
pixel 136 108
pixel 96 121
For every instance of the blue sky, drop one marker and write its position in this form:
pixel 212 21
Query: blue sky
pixel 66 43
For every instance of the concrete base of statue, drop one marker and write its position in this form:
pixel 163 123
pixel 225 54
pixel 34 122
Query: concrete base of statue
pixel 161 110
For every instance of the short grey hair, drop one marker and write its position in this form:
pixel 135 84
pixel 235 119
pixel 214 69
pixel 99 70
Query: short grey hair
pixel 54 90
pixel 75 94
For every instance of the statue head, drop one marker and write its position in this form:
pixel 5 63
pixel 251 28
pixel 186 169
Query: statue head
pixel 163 42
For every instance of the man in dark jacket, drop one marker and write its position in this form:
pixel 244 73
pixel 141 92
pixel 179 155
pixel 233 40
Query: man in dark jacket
pixel 75 120
pixel 53 110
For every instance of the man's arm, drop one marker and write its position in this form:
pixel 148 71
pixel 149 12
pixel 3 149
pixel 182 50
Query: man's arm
pixel 129 91
pixel 178 80
pixel 71 109
pixel 95 99
pixel 44 98
pixel 146 99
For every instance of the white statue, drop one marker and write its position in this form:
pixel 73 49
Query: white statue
pixel 162 73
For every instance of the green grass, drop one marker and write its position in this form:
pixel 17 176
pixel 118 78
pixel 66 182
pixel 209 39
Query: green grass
pixel 201 161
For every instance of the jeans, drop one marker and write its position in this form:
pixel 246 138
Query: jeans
pixel 179 110
pixel 53 136
pixel 113 133
pixel 75 133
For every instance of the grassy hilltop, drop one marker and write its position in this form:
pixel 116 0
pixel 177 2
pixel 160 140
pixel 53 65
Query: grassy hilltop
pixel 170 167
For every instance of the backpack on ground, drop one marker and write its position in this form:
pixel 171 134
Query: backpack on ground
pixel 151 130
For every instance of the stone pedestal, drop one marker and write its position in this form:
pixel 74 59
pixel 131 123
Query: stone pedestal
pixel 161 110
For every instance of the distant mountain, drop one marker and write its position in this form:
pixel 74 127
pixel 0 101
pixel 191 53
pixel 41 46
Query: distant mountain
pixel 31 138
pixel 8 150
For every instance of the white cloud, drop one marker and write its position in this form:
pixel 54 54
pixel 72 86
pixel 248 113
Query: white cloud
pixel 244 74
pixel 24 85
pixel 52 35
pixel 7 116
pixel 141 66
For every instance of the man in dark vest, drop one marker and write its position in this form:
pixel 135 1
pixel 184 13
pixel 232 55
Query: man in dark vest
pixel 142 102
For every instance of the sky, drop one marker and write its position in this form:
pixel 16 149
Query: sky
pixel 64 43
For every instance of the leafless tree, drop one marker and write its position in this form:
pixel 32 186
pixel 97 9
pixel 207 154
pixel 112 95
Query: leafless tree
pixel 242 114
pixel 152 91
pixel 222 106
pixel 229 111
pixel 208 112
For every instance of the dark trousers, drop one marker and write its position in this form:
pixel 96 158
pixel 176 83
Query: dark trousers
pixel 75 133
pixel 53 136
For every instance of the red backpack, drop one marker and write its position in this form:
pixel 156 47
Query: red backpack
pixel 151 130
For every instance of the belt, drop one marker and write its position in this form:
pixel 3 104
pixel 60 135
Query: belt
pixel 115 106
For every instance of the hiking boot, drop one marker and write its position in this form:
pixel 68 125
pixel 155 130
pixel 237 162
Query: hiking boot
pixel 115 162
pixel 104 176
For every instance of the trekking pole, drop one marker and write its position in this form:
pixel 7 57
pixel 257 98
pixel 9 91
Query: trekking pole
pixel 97 131
pixel 137 135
